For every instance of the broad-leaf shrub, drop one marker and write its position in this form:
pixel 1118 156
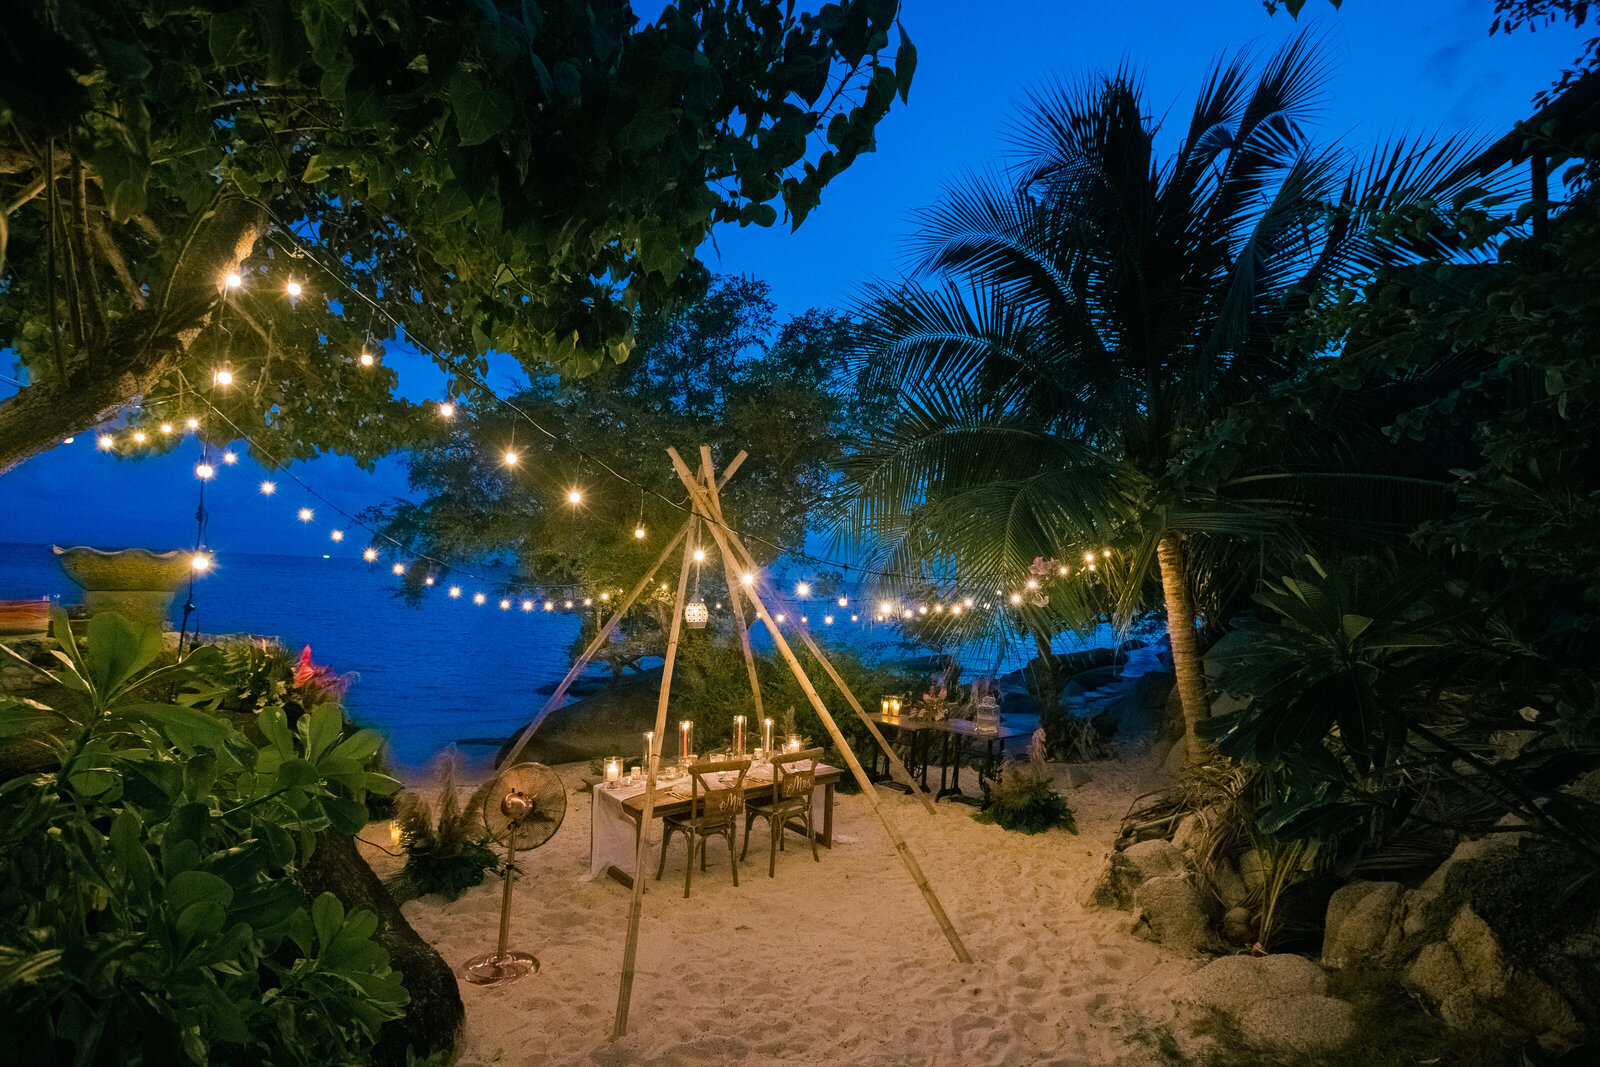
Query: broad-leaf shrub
pixel 148 912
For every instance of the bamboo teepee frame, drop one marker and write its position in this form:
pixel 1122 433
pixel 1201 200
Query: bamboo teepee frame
pixel 706 517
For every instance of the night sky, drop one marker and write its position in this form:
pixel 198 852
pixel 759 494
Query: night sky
pixel 1398 66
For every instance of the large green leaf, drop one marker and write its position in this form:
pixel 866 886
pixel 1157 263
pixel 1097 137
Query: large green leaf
pixel 481 112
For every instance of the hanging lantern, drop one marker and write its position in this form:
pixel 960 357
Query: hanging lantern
pixel 695 614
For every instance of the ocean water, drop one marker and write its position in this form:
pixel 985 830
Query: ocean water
pixel 428 676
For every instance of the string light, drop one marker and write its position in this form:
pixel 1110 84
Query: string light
pixel 166 427
pixel 748 579
pixel 574 496
pixel 549 605
pixel 827 620
pixel 230 458
pixel 305 514
pixel 510 458
pixel 68 440
pixel 371 555
pixel 1032 584
pixel 204 471
pixel 527 605
pixel 427 579
pixel 268 488
pixel 106 442
pixel 853 618
pixel 231 280
pixel 699 555
pixel 638 533
pixel 138 437
pixel 337 535
pixel 478 598
pixel 1016 598
pixel 844 601
pixel 1088 557
pixel 398 568
pixel 223 377
pixel 607 596
pixel 569 605
pixel 779 616
pixel 293 289
pixel 505 605
pixel 1063 570
pixel 366 358
pixel 192 422
pixel 455 591
pixel 955 609
pixel 200 562
pixel 802 589
pixel 588 602
pixel 447 410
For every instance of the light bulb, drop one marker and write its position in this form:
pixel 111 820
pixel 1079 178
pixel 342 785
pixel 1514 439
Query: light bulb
pixel 138 437
pixel 204 471
pixel 779 616
pixel 569 605
pixel 1091 566
pixel 855 618
pixel 166 427
pixel 885 608
pixel 955 609
pixel 230 457
pixel 1032 584
pixel 1106 554
pixel 968 602
pixel 293 288
pixel 106 442
pixel 549 605
pixel 305 514
pixel 802 589
pixel 505 605
pixel 447 410
pixel 427 579
pixel 200 562
pixel 844 601
pixel 1016 598
pixel 370 555
pixel 268 488
pixel 337 535
pixel 574 497
pixel 223 377
pixel 478 598
pixel 748 579
pixel 638 532
pixel 922 609
pixel 1063 570
pixel 192 422
pixel 1088 557
pixel 906 613
pixel 231 280
pixel 588 602
pixel 510 458
pixel 455 590
pixel 938 609
pixel 398 568
pixel 699 554
pixel 527 605
pixel 827 620
pixel 366 359
pixel 804 619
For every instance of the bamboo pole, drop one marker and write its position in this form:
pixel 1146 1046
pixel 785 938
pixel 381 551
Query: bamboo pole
pixel 631 951
pixel 698 494
pixel 897 769
pixel 594 646
pixel 730 568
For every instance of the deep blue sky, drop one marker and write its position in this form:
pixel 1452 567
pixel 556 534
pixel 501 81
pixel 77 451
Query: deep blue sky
pixel 1398 66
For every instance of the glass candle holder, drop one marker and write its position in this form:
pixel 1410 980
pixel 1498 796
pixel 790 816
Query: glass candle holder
pixel 766 734
pixel 614 769
pixel 685 742
pixel 738 737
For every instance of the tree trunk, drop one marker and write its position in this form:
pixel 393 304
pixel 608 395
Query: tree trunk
pixel 1185 649
pixel 143 347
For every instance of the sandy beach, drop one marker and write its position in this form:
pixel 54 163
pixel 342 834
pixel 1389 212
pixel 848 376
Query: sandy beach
pixel 837 962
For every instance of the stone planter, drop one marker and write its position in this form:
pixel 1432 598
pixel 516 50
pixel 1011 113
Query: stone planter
pixel 133 582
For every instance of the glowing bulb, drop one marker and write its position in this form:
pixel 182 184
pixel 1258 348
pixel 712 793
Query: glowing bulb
pixel 510 457
pixel 223 377
pixel 455 590
pixel 638 532
pixel 885 608
pixel 232 280
pixel 1032 584
pixel 1063 571
pixel 1106 554
pixel 138 436
pixel 779 616
pixel 366 359
pixel 748 579
pixel 166 427
pixel 855 618
pixel 370 555
pixel 305 514
pixel 398 568
pixel 802 589
pixel 569 605
pixel 938 609
pixel 337 535
pixel 955 609
pixel 427 579
pixel 804 619
pixel 204 471
pixel 699 555
pixel 200 562
pixel 268 488
pixel 968 602
pixel 922 609
pixel 192 423
pixel 574 497
pixel 230 457
pixel 478 598
pixel 527 605
pixel 1088 557
pixel 68 440
pixel 607 596
pixel 505 605
pixel 827 620
pixel 588 602
pixel 844 601
pixel 1016 598
pixel 106 442
pixel 549 605
pixel 906 613
pixel 293 288
pixel 447 410
pixel 1091 566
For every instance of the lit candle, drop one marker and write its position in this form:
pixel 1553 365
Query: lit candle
pixel 684 728
pixel 738 737
pixel 649 736
pixel 792 745
pixel 614 768
pixel 766 735
pixel 395 835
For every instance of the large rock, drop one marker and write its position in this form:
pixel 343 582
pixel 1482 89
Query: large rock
pixel 1172 911
pixel 1234 983
pixel 1306 1023
pixel 1430 905
pixel 1123 872
pixel 1362 923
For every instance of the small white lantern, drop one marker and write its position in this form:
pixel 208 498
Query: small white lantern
pixel 695 614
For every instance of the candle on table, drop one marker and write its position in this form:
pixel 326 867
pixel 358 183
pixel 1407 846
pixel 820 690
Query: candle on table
pixel 614 769
pixel 766 735
pixel 649 736
pixel 683 745
pixel 738 737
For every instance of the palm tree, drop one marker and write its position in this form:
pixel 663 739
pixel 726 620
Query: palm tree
pixel 1094 309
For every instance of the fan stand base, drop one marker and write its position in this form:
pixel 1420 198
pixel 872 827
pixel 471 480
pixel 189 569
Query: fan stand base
pixel 492 968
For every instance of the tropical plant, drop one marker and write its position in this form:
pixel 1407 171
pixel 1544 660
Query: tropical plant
pixel 1024 799
pixel 447 855
pixel 524 178
pixel 1097 310
pixel 147 908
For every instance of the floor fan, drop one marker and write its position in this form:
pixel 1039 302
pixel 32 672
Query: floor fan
pixel 522 808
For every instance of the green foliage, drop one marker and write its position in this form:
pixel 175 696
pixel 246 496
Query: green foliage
pixel 520 178
pixel 1023 798
pixel 147 913
pixel 446 855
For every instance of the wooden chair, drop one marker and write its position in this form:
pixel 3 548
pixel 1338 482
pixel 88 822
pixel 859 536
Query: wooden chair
pixel 713 812
pixel 794 780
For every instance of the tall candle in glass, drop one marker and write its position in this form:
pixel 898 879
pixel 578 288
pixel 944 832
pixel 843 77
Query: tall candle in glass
pixel 644 768
pixel 738 737
pixel 685 728
pixel 766 735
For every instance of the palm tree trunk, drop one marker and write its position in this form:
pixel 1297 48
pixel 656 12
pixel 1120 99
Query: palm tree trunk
pixel 1185 650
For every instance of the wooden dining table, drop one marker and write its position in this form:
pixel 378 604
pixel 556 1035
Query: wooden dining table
pixel 606 857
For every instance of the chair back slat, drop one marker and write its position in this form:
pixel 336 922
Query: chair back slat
pixel 711 799
pixel 794 776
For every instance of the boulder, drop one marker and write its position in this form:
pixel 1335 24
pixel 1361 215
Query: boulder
pixel 1299 1024
pixel 1189 835
pixel 1428 905
pixel 1123 872
pixel 1361 923
pixel 1229 886
pixel 1234 983
pixel 1482 962
pixel 1172 911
